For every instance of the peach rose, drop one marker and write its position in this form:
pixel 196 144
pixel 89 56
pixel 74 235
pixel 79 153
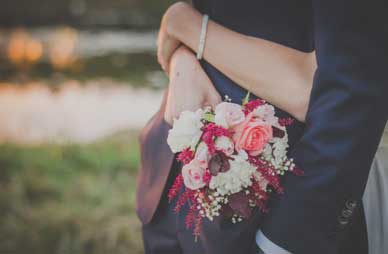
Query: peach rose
pixel 193 175
pixel 228 114
pixel 252 135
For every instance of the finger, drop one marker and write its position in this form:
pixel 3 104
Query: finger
pixel 162 63
pixel 168 118
pixel 169 110
pixel 168 53
pixel 161 56
pixel 166 69
pixel 209 102
pixel 213 99
pixel 165 64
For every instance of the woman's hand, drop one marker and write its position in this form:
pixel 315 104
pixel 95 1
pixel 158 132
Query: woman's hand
pixel 166 43
pixel 190 88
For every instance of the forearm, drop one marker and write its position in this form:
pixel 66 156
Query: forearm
pixel 278 74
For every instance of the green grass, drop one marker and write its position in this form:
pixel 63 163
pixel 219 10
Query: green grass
pixel 74 199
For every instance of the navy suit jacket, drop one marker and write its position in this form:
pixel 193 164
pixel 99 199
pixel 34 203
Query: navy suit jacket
pixel 346 115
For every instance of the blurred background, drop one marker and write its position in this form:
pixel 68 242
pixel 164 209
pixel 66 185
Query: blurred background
pixel 78 79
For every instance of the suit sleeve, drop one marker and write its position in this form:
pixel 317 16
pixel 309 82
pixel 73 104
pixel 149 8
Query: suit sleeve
pixel 345 121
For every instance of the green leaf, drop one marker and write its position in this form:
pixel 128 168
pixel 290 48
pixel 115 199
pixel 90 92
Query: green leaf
pixel 246 99
pixel 208 117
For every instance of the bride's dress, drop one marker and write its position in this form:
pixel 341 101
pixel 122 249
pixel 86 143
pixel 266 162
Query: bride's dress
pixel 376 200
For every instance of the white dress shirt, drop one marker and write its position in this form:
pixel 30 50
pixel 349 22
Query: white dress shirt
pixel 268 246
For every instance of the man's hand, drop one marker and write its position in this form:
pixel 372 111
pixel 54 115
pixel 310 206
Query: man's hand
pixel 166 43
pixel 190 88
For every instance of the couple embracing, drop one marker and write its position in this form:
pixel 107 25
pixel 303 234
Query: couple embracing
pixel 321 62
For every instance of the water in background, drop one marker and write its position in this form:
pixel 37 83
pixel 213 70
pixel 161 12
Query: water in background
pixel 60 84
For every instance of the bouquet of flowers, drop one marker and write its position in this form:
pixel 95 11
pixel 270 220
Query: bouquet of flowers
pixel 233 157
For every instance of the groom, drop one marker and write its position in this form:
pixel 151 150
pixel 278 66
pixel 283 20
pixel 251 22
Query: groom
pixel 322 211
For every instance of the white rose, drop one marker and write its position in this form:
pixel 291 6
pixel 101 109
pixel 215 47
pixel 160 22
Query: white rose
pixel 236 178
pixel 225 145
pixel 228 114
pixel 266 113
pixel 186 131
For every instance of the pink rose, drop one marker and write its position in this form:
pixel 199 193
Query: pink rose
pixel 202 155
pixel 252 135
pixel 193 175
pixel 228 114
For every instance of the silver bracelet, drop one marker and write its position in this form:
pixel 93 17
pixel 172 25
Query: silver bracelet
pixel 202 38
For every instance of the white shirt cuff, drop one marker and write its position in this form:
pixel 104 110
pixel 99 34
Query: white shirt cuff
pixel 268 246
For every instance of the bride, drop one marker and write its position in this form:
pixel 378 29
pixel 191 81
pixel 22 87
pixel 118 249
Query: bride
pixel 280 70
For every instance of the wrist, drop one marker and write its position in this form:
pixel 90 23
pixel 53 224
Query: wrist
pixel 183 52
pixel 181 57
pixel 183 23
pixel 173 17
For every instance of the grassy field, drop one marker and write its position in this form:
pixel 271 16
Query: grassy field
pixel 78 199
